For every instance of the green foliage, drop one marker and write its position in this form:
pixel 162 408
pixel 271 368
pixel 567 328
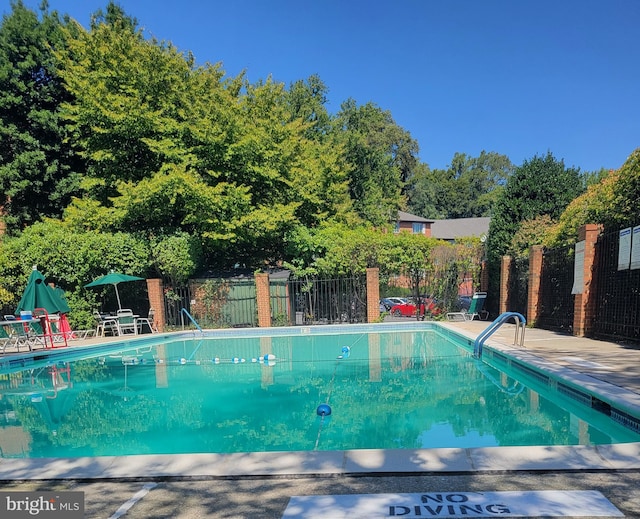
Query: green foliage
pixel 468 188
pixel 128 101
pixel 530 232
pixel 540 186
pixel 39 171
pixel 626 192
pixel 176 257
pixel 613 202
pixel 70 260
pixel 382 156
pixel 214 295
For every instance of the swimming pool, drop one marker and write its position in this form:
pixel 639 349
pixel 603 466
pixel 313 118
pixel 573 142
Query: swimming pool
pixel 256 390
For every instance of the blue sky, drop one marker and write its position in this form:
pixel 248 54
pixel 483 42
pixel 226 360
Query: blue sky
pixel 518 77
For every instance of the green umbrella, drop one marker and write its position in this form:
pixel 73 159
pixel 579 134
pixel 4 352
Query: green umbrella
pixel 113 278
pixel 38 294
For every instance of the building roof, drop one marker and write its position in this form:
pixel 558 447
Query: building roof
pixel 408 217
pixel 460 228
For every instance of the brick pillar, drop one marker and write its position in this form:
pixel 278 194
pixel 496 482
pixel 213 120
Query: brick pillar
pixel 155 290
pixel 505 274
pixel 584 303
pixel 373 295
pixel 263 299
pixel 535 279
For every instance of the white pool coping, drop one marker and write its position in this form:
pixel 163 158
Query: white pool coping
pixel 355 462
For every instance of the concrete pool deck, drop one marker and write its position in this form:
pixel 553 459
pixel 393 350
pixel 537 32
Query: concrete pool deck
pixel 603 366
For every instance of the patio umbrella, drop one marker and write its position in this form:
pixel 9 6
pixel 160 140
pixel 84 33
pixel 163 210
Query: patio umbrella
pixel 113 278
pixel 38 294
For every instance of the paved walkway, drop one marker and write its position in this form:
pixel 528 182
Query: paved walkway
pixel 261 484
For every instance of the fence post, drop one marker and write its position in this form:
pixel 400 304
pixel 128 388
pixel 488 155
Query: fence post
pixel 505 282
pixel 535 283
pixel 155 289
pixel 263 299
pixel 584 303
pixel 373 295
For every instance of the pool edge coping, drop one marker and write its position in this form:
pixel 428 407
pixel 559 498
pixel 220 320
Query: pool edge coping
pixel 624 456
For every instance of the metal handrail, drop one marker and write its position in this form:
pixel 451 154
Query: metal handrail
pixel 502 318
pixel 185 312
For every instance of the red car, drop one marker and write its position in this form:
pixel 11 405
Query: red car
pixel 408 309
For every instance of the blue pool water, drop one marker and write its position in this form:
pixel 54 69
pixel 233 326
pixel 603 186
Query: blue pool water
pixel 394 389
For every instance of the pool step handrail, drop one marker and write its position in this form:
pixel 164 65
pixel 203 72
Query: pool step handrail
pixel 185 312
pixel 490 330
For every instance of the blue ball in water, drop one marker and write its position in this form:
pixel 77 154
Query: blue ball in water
pixel 324 410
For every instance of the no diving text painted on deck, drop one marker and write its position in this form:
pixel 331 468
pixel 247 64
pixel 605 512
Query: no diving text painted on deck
pixel 548 503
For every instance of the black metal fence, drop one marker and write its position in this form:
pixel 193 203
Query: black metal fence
pixel 223 303
pixel 519 286
pixel 556 281
pixel 617 294
pixel 324 301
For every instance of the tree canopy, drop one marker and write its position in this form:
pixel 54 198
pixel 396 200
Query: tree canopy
pixel 39 171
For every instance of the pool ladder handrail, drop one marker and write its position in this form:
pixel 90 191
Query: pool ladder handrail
pixel 185 312
pixel 502 318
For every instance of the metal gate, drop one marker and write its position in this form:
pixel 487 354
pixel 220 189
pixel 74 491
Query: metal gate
pixel 519 286
pixel 556 280
pixel 327 301
pixel 617 294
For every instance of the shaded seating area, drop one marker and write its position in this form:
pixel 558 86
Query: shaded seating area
pixel 475 309
pixel 105 325
pixel 124 322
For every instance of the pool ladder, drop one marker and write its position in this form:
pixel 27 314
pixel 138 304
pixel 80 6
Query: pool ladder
pixel 490 330
pixel 185 312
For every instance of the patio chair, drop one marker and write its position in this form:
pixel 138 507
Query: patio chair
pixel 148 321
pixel 6 339
pixel 20 334
pixel 126 322
pixel 45 327
pixel 105 325
pixel 475 310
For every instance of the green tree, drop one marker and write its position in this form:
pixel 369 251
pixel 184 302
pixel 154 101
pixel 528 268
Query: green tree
pixel 39 172
pixel 128 105
pixel 423 194
pixel 468 188
pixel 626 192
pixel 540 186
pixel 382 156
pixel 613 202
pixel 307 102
